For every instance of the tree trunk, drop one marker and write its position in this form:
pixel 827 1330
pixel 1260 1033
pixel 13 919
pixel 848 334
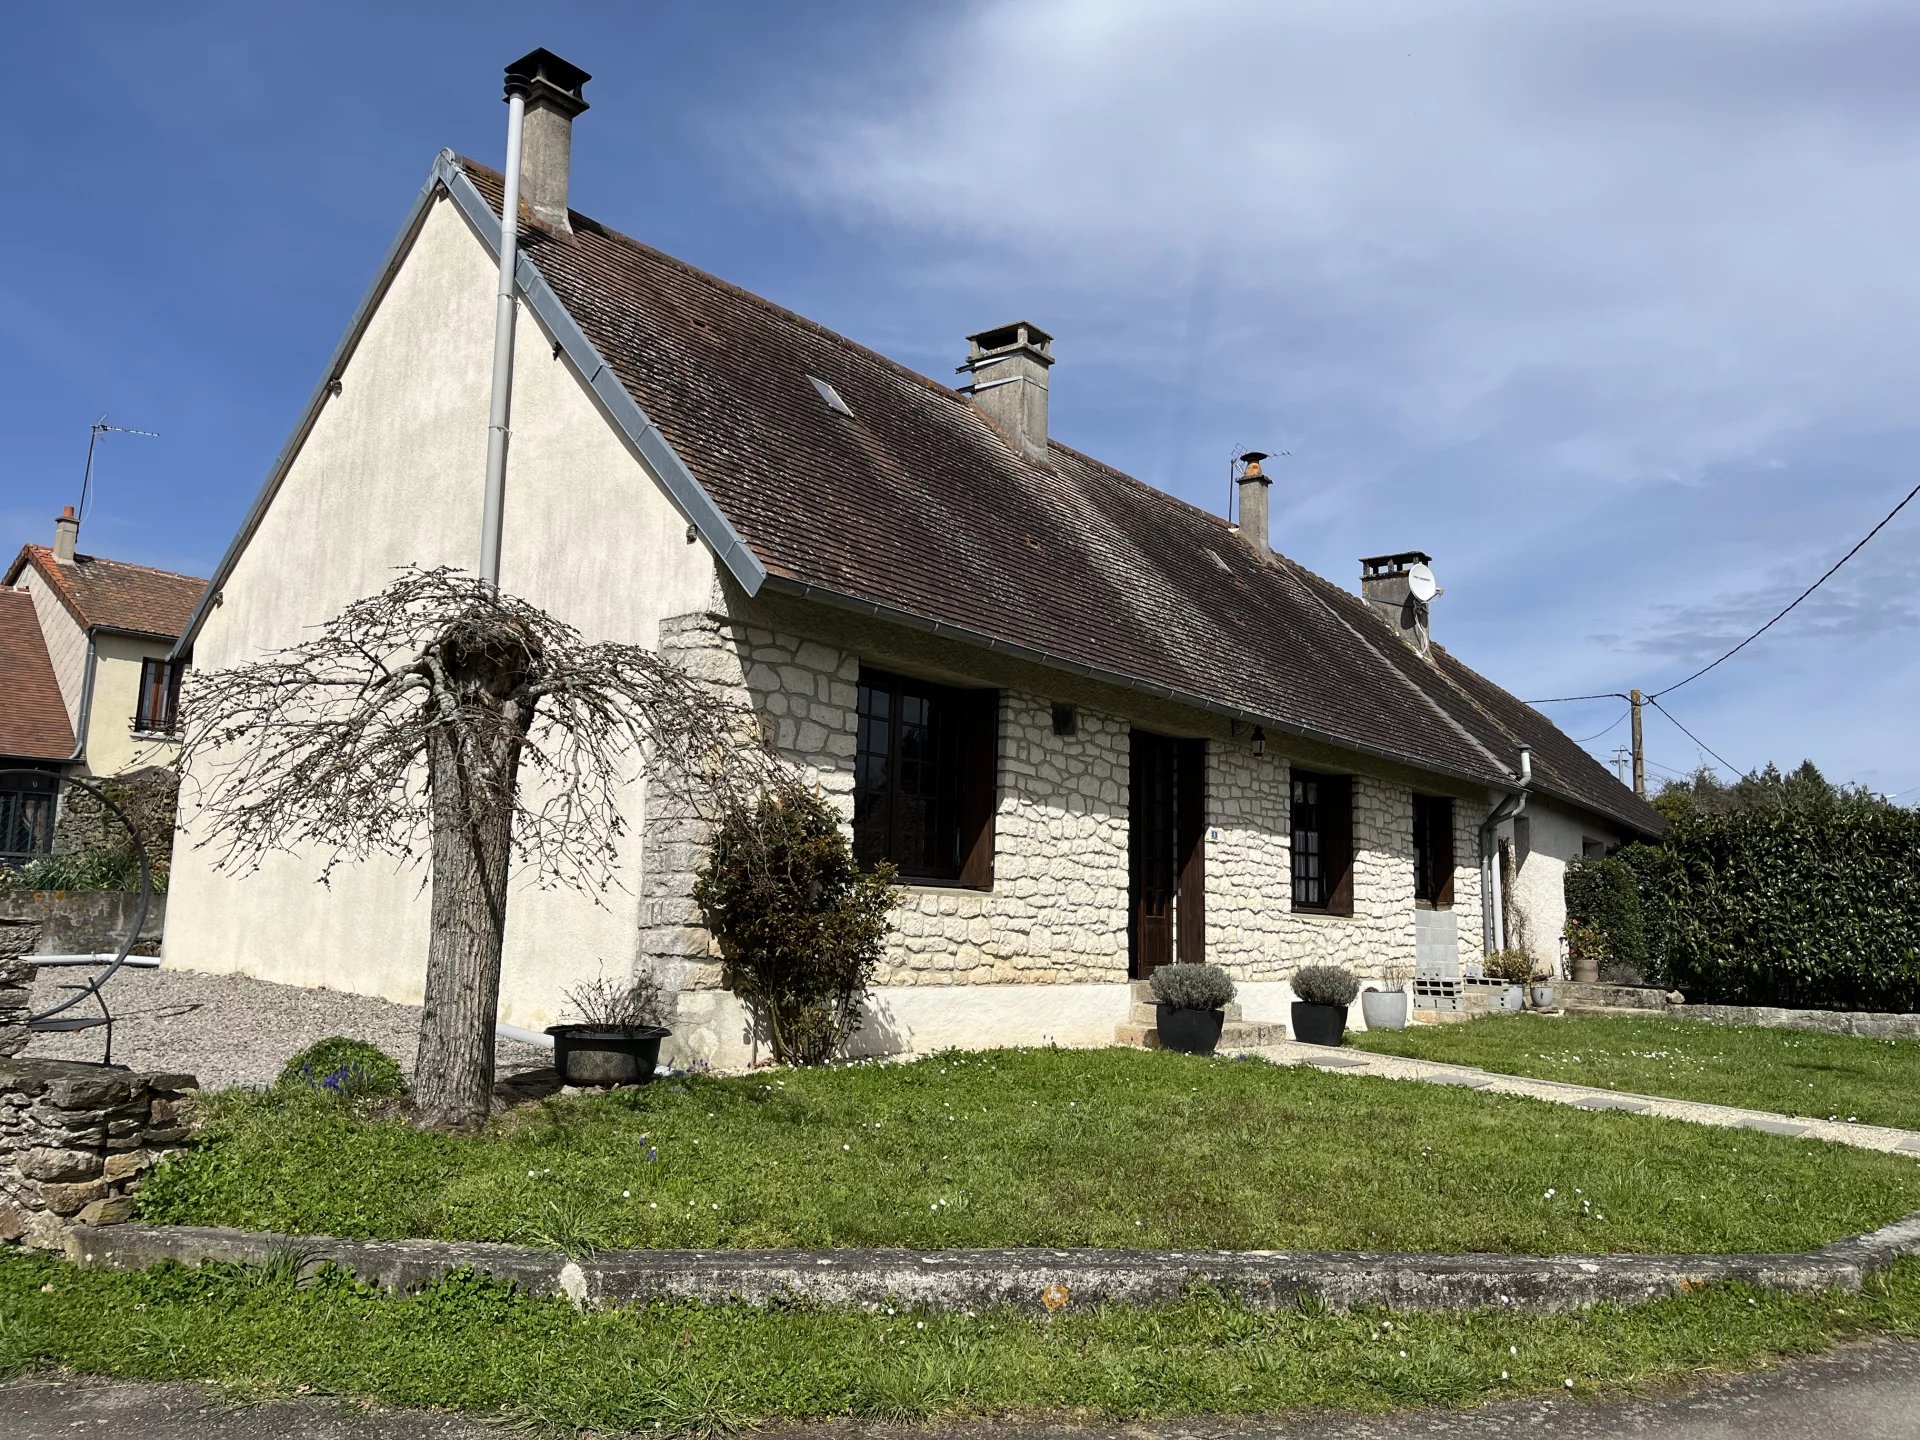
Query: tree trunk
pixel 472 769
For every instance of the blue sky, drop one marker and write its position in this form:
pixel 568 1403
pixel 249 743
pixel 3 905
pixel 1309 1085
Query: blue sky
pixel 1613 309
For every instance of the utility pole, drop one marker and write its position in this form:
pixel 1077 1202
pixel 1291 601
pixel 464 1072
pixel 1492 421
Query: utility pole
pixel 1639 750
pixel 1622 757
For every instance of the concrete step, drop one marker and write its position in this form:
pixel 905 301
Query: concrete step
pixel 1234 1035
pixel 1145 1012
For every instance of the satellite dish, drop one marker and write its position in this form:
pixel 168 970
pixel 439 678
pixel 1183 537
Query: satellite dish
pixel 1420 583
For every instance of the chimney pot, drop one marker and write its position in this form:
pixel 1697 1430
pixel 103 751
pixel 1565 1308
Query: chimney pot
pixel 1384 585
pixel 66 535
pixel 1008 368
pixel 552 89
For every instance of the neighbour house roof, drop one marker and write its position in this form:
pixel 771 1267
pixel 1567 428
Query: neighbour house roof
pixel 33 719
pixel 114 595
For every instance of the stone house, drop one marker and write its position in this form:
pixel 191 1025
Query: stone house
pixel 88 672
pixel 1097 728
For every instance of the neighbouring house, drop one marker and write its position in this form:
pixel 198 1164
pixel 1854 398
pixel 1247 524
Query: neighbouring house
pixel 87 668
pixel 1097 728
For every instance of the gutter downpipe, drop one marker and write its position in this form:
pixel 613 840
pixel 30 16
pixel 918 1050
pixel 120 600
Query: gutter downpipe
pixel 1493 927
pixel 506 305
pixel 86 699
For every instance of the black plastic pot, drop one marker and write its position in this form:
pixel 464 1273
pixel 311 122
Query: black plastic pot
pixel 1191 1032
pixel 1319 1024
pixel 599 1055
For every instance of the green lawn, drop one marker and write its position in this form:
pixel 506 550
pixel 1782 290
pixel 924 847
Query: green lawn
pixel 1794 1072
pixel 478 1346
pixel 1116 1148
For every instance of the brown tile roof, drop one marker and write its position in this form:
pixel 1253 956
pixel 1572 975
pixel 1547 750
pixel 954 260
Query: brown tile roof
pixel 918 504
pixel 115 594
pixel 33 719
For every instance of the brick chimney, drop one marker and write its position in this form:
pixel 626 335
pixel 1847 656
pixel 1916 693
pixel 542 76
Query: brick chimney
pixel 1008 369
pixel 553 90
pixel 1387 583
pixel 1255 485
pixel 66 535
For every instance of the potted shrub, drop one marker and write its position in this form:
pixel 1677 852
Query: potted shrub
pixel 1516 968
pixel 1190 1006
pixel 1540 988
pixel 1388 1006
pixel 617 1039
pixel 1320 1013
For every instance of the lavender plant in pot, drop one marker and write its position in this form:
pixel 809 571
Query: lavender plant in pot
pixel 1190 1006
pixel 617 1038
pixel 1325 992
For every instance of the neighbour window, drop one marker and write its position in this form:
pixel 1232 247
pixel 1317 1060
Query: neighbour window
pixel 26 815
pixel 1433 852
pixel 924 778
pixel 159 706
pixel 1323 843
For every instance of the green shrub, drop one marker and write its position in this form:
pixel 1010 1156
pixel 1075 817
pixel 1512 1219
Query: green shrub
pixel 1809 910
pixel 1325 985
pixel 798 923
pixel 82 870
pixel 349 1069
pixel 1192 987
pixel 1604 918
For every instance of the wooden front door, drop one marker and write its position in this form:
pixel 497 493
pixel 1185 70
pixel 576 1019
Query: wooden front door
pixel 1167 853
pixel 1150 853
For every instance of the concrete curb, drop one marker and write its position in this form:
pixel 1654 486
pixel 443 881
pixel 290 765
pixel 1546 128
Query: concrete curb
pixel 1024 1279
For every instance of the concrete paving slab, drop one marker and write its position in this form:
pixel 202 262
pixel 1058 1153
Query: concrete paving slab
pixel 1771 1127
pixel 1612 1102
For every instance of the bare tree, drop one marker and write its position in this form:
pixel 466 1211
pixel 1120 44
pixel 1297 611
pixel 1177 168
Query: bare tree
pixel 440 719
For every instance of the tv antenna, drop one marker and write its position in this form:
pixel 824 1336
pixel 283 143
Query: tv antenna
pixel 94 432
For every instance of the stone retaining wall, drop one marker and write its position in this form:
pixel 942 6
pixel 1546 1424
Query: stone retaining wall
pixel 16 994
pixel 1871 1025
pixel 79 922
pixel 76 1138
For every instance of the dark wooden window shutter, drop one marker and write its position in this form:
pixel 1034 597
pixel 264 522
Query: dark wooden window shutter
pixel 978 788
pixel 1190 849
pixel 1337 804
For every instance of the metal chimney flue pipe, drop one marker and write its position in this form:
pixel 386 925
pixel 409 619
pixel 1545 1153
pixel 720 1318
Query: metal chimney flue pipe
pixel 500 408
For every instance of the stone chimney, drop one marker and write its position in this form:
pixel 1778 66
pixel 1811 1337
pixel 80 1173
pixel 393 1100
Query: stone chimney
pixel 1254 487
pixel 552 88
pixel 1008 369
pixel 1386 584
pixel 66 535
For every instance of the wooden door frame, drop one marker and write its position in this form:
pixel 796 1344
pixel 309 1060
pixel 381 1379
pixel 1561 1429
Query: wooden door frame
pixel 1186 822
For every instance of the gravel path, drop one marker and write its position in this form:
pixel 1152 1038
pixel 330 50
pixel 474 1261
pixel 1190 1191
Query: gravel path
pixel 1587 1097
pixel 229 1030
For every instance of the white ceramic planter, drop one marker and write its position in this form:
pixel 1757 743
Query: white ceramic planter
pixel 1385 1009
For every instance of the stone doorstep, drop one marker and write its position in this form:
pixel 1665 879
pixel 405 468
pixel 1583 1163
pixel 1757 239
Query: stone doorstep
pixel 1028 1278
pixel 1234 1035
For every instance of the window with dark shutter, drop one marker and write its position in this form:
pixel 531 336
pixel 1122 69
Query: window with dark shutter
pixel 1433 852
pixel 925 779
pixel 1323 843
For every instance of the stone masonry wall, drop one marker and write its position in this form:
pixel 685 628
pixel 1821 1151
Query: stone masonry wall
pixel 76 1138
pixel 1057 911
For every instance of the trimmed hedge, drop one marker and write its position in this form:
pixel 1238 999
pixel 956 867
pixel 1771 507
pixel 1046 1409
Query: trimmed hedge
pixel 1603 910
pixel 1807 910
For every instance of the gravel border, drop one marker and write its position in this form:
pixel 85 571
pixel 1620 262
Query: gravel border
pixel 231 1030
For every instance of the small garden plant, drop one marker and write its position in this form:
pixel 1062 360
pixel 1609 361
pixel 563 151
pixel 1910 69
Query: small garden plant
pixel 799 923
pixel 1513 966
pixel 346 1070
pixel 638 1003
pixel 1192 987
pixel 1325 985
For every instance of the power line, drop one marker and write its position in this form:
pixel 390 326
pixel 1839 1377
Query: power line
pixel 1737 771
pixel 1569 699
pixel 1784 613
pixel 1598 733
